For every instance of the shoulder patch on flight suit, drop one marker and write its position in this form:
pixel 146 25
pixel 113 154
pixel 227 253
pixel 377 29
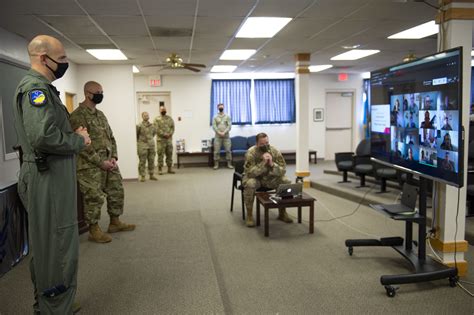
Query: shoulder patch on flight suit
pixel 37 97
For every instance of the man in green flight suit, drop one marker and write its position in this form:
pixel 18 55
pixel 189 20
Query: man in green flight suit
pixel 164 126
pixel 222 125
pixel 47 181
pixel 264 167
pixel 146 147
pixel 97 169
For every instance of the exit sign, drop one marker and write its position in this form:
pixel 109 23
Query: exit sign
pixel 155 80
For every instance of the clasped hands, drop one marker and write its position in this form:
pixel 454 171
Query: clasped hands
pixel 83 132
pixel 109 165
pixel 267 158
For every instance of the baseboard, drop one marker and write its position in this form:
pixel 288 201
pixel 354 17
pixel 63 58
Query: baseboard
pixel 461 265
pixel 449 247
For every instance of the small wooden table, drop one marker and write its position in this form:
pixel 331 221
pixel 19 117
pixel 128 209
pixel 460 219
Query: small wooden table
pixel 263 198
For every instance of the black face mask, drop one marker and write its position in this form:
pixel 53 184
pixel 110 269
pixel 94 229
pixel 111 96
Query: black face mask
pixel 60 70
pixel 97 98
pixel 221 110
pixel 163 113
pixel 264 148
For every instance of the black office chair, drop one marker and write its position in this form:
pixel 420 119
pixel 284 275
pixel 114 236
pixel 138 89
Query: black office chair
pixel 344 164
pixel 363 166
pixel 383 173
pixel 237 184
pixel 237 179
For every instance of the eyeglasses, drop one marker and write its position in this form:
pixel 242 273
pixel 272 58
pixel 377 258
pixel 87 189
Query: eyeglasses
pixel 98 92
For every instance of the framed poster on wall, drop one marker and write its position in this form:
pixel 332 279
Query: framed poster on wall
pixel 318 114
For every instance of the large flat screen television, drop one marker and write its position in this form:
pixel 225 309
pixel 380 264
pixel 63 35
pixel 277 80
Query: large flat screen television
pixel 416 116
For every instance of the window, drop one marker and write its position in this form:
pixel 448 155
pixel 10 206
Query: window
pixel 275 101
pixel 235 95
pixel 272 100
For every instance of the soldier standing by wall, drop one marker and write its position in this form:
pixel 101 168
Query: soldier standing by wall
pixel 47 182
pixel 264 167
pixel 146 147
pixel 222 125
pixel 164 126
pixel 97 169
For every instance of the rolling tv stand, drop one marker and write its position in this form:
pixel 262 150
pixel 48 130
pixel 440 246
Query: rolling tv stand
pixel 425 268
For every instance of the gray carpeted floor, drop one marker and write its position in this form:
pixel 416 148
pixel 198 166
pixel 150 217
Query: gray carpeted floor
pixel 190 255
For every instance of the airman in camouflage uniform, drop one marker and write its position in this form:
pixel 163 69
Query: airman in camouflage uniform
pixel 97 169
pixel 222 125
pixel 146 147
pixel 47 181
pixel 164 126
pixel 264 167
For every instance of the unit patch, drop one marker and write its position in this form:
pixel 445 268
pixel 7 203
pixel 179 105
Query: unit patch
pixel 37 97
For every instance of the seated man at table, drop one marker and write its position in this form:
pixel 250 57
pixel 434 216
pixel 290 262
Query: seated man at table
pixel 264 167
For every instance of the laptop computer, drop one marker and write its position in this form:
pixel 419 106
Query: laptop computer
pixel 289 190
pixel 408 202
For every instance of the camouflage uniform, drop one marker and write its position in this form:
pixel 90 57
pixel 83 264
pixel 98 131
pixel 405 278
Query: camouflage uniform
pixel 164 125
pixel 49 196
pixel 146 147
pixel 222 123
pixel 257 174
pixel 95 184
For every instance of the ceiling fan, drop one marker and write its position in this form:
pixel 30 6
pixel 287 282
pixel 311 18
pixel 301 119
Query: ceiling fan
pixel 174 61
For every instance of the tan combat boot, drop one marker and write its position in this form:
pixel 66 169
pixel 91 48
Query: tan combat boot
pixel 160 170
pixel 249 221
pixel 152 177
pixel 216 165
pixel 96 234
pixel 170 170
pixel 283 216
pixel 118 226
pixel 142 178
pixel 229 165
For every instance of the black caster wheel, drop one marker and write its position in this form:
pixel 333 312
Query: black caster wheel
pixel 391 291
pixel 453 281
pixel 351 250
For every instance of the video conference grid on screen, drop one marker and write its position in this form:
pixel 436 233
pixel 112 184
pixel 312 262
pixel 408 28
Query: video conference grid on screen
pixel 415 115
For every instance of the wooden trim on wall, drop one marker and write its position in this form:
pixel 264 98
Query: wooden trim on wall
pixel 303 57
pixel 303 174
pixel 302 70
pixel 448 247
pixel 462 267
pixel 456 14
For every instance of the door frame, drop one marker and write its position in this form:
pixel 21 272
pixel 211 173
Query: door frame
pixel 151 93
pixel 353 107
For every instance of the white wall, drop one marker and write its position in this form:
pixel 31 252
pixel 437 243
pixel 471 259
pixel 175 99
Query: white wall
pixel 191 94
pixel 13 47
pixel 118 106
pixel 320 84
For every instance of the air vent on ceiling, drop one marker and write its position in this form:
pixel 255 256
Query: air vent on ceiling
pixel 170 32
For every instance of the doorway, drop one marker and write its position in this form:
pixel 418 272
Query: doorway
pixel 150 102
pixel 339 117
pixel 70 102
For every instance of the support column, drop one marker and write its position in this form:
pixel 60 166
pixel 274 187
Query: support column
pixel 456 21
pixel 302 110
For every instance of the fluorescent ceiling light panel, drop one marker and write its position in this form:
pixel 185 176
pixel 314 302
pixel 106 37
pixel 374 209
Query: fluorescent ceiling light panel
pixel 237 54
pixel 472 63
pixel 472 53
pixel 135 69
pixel 223 68
pixel 365 75
pixel 107 54
pixel 417 32
pixel 355 54
pixel 262 27
pixel 319 68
